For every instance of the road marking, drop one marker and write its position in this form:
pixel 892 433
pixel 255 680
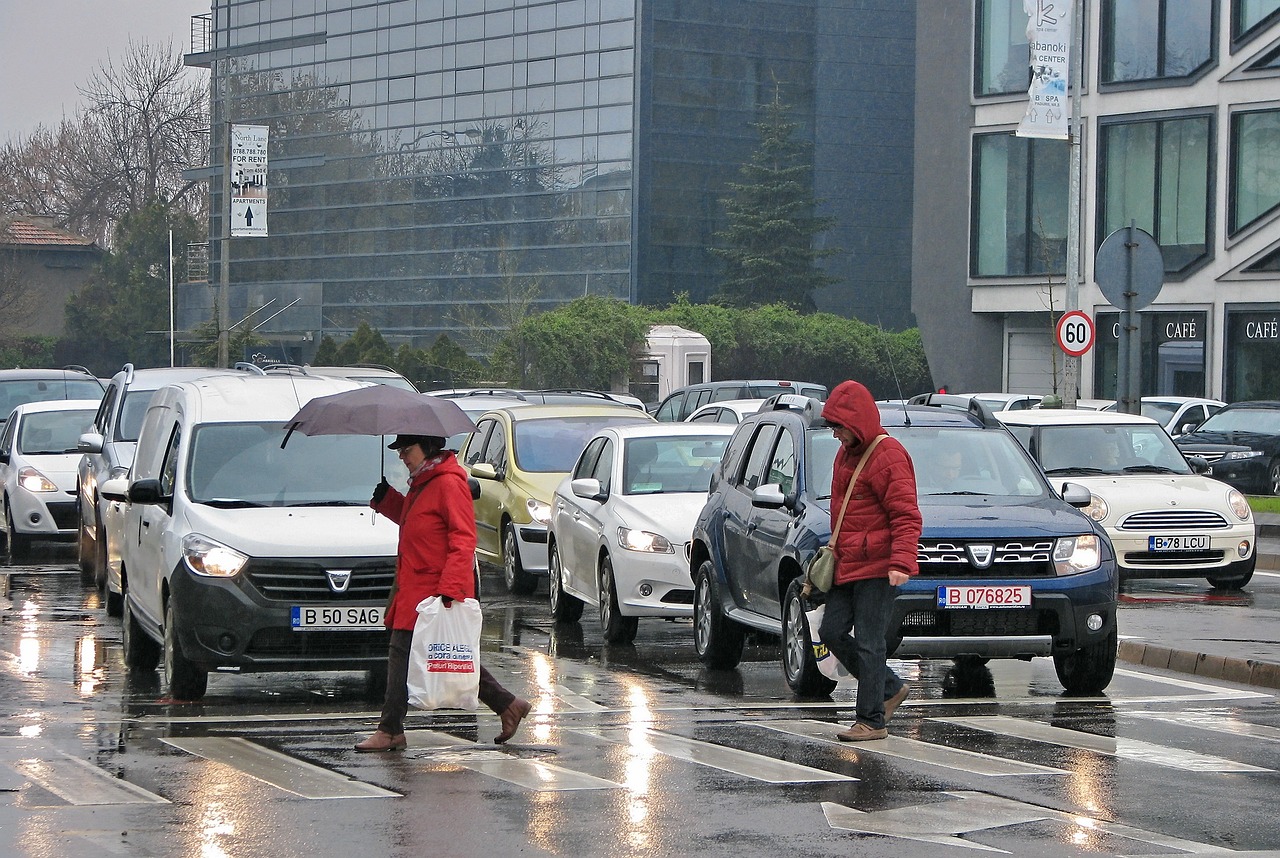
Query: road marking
pixel 1129 749
pixel 1218 721
pixel 279 770
pixel 533 775
pixel 956 759
pixel 79 783
pixel 750 765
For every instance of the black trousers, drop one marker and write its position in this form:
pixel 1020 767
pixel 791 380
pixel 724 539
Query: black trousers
pixel 396 704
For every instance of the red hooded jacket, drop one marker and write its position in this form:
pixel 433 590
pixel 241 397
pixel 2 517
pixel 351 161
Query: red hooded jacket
pixel 881 529
pixel 436 556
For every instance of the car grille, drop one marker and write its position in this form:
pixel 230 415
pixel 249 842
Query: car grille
pixel 337 645
pixel 678 597
pixel 306 580
pixel 1209 457
pixel 64 514
pixel 1172 558
pixel 997 622
pixel 1173 519
pixel 1012 558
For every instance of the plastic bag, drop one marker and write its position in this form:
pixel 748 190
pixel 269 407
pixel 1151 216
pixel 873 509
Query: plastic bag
pixel 444 658
pixel 831 667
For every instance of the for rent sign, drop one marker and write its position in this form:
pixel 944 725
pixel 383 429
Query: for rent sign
pixel 249 180
pixel 1049 40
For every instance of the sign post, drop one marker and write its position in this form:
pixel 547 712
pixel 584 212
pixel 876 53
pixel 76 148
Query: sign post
pixel 1129 269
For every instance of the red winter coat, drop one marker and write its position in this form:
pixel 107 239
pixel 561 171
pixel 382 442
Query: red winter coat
pixel 437 522
pixel 881 529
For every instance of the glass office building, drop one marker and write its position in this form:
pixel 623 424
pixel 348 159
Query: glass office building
pixel 437 165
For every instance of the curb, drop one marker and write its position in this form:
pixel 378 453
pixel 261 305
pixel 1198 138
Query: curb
pixel 1246 671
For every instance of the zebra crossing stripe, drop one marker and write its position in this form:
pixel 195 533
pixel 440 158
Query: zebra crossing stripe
pixel 279 770
pixel 79 783
pixel 532 774
pixel 1129 749
pixel 1219 721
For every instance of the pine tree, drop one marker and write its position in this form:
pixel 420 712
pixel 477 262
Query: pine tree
pixel 768 250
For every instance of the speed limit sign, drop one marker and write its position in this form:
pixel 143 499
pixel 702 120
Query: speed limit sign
pixel 1075 333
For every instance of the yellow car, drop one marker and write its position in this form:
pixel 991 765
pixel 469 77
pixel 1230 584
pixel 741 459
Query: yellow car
pixel 519 455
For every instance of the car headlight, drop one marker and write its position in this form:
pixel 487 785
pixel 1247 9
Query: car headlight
pixel 1074 554
pixel 1239 505
pixel 211 559
pixel 643 540
pixel 539 511
pixel 1242 454
pixel 1097 508
pixel 34 481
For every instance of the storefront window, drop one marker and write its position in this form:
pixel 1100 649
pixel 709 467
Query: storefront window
pixel 1253 355
pixel 1172 347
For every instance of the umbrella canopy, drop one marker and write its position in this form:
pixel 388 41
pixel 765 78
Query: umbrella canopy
pixel 379 409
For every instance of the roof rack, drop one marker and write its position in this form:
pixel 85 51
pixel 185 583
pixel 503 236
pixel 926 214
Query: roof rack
pixel 807 406
pixel 971 405
pixel 249 367
pixel 75 367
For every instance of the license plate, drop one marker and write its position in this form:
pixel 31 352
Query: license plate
pixel 985 597
pixel 1177 543
pixel 311 618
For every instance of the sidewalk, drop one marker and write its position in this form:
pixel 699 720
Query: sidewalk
pixel 1203 638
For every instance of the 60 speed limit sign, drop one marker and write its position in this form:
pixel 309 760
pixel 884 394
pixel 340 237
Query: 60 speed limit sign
pixel 1075 333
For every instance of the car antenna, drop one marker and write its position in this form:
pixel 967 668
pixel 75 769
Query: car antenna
pixel 888 353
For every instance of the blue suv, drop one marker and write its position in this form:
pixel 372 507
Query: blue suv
pixel 1009 568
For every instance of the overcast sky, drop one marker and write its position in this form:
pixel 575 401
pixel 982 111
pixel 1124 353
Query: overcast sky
pixel 48 48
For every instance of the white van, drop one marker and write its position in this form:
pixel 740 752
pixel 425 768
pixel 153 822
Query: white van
pixel 240 555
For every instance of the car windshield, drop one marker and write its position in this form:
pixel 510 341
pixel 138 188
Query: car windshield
pixel 389 380
pixel 20 391
pixel 652 466
pixel 1263 421
pixel 551 445
pixel 53 431
pixel 243 464
pixel 1161 412
pixel 964 461
pixel 1108 449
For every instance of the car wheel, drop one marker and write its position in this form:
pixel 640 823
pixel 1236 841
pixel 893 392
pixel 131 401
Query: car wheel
pixel 141 652
pixel 184 679
pixel 717 638
pixel 564 608
pixel 1088 670
pixel 19 544
pixel 617 628
pixel 519 582
pixel 1242 573
pixel 1273 477
pixel 798 664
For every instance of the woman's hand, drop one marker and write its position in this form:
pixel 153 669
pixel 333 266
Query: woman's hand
pixel 380 491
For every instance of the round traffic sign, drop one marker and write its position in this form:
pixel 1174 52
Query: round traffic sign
pixel 1075 333
pixel 1129 263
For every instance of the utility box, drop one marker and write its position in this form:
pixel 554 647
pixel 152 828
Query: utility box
pixel 673 358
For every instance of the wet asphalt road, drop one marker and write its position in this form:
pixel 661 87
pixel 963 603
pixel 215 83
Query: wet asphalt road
pixel 631 751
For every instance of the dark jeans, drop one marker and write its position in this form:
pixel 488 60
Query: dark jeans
pixel 863 606
pixel 396 704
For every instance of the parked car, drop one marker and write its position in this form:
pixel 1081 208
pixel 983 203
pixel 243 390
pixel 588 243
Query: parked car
pixel 107 448
pixel 366 372
pixel 243 555
pixel 731 411
pixel 519 455
pixel 1241 443
pixel 1005 401
pixel 680 403
pixel 42 385
pixel 1009 568
pixel 1164 520
pixel 1177 414
pixel 38 458
pixel 557 396
pixel 621 522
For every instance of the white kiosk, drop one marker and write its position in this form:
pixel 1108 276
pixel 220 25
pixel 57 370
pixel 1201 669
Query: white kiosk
pixel 673 357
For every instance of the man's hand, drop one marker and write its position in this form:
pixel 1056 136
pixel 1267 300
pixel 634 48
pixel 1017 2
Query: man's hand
pixel 447 601
pixel 897 577
pixel 380 491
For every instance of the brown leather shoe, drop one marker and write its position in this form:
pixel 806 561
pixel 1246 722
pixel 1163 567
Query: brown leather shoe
pixel 860 732
pixel 891 705
pixel 381 741
pixel 511 718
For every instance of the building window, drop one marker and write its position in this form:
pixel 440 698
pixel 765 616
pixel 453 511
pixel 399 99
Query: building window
pixel 1255 166
pixel 1002 60
pixel 1173 349
pixel 1151 39
pixel 1248 16
pixel 1253 355
pixel 1157 174
pixel 1019 220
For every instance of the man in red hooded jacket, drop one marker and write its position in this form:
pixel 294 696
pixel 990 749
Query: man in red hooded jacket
pixel 436 557
pixel 875 553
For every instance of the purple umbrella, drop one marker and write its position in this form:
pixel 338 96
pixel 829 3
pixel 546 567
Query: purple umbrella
pixel 379 409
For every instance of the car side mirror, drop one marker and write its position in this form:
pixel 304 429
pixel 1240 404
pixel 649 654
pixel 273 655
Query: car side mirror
pixel 116 489
pixel 768 496
pixel 588 488
pixel 90 442
pixel 484 471
pixel 147 491
pixel 1198 464
pixel 1076 495
pixel 1189 426
pixel 474 485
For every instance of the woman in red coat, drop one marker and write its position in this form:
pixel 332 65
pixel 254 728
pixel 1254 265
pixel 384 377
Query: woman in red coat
pixel 875 553
pixel 436 557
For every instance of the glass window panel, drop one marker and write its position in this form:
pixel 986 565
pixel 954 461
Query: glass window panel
pixel 1188 34
pixel 499 24
pixel 1131 35
pixel 1129 167
pixel 617 62
pixel 1019 205
pixel 619 34
pixel 571 41
pixel 400 88
pixel 469 80
pixel 499 51
pixel 470 29
pixel 571 68
pixel 541 71
pixel 1247 14
pixel 568 95
pixel 542 18
pixel 1003 57
pixel 1255 166
pixel 615 90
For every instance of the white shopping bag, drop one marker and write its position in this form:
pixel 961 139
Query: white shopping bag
pixel 827 662
pixel 444 659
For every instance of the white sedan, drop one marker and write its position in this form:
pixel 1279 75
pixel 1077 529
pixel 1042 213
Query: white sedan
pixel 1164 520
pixel 621 522
pixel 730 411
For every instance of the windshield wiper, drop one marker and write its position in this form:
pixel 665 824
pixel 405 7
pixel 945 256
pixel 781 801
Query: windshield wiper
pixel 1082 471
pixel 327 503
pixel 948 494
pixel 1150 469
pixel 231 503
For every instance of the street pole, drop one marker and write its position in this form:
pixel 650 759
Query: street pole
pixel 1071 366
pixel 224 270
pixel 171 333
